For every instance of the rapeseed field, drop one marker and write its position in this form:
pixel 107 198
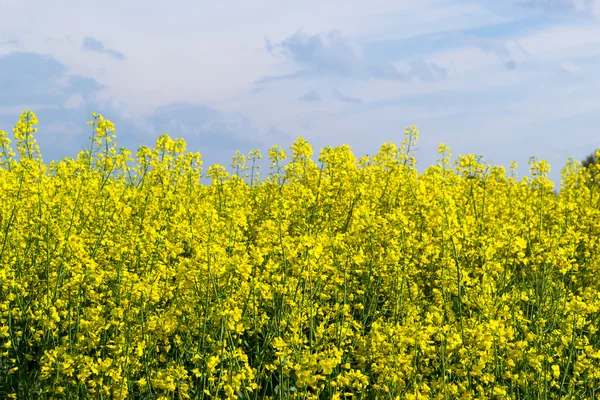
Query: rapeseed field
pixel 123 277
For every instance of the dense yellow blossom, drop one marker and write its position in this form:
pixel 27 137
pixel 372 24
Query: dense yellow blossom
pixel 122 276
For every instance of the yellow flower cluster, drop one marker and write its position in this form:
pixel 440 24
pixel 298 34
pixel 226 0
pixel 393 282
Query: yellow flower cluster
pixel 123 277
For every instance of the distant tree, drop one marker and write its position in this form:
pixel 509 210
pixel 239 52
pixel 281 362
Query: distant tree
pixel 589 161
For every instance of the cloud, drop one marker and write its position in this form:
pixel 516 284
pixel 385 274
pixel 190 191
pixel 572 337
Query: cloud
pixel 29 78
pixel 330 51
pixel 275 136
pixel 202 126
pixel 570 67
pixel 311 95
pixel 590 7
pixel 330 54
pixel 342 97
pixel 305 73
pixel 216 135
pixel 36 79
pixel 432 56
pixel 5 39
pixel 427 71
pixel 334 55
pixel 32 78
pixel 63 104
pixel 75 101
pixel 84 86
pixel 507 51
pixel 93 44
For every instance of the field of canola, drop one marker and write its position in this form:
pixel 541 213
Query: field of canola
pixel 122 277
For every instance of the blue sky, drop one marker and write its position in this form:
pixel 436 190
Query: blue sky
pixel 505 79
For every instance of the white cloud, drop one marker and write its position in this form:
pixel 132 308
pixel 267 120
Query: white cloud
pixel 591 7
pixel 75 101
pixel 570 67
pixel 563 41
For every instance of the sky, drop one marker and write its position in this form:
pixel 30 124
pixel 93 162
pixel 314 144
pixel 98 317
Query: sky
pixel 504 79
